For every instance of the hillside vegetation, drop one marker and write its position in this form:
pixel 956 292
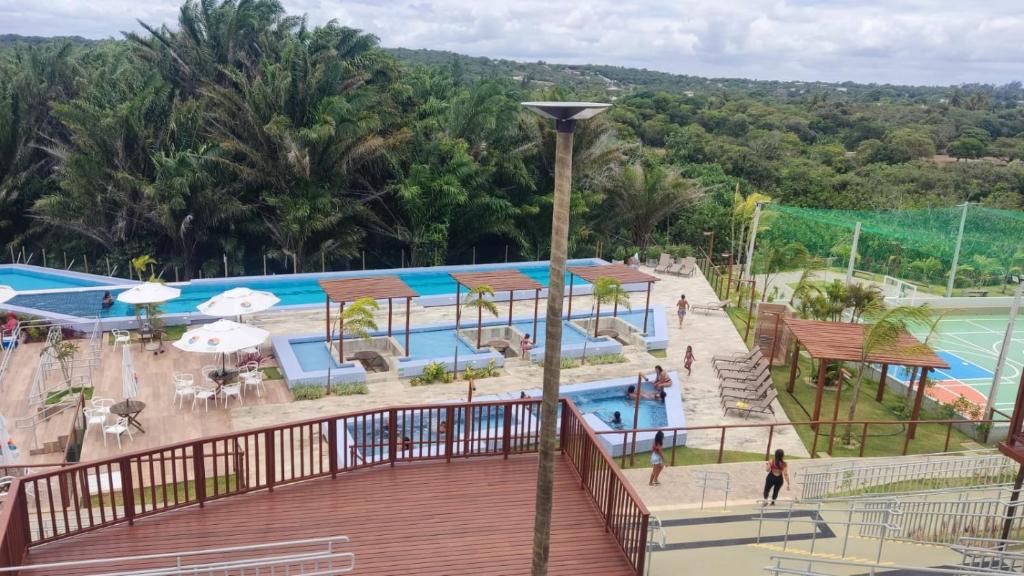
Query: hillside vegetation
pixel 244 131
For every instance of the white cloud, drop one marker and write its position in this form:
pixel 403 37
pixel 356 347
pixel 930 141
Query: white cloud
pixel 904 41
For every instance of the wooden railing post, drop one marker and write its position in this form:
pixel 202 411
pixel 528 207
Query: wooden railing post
pixel 768 448
pixel 128 489
pixel 609 504
pixel 332 446
pixel 392 435
pixel 506 431
pixel 641 548
pixel 721 445
pixel 199 469
pixel 449 433
pixel 269 457
pixel 863 439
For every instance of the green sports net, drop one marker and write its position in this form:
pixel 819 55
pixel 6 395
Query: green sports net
pixel 916 246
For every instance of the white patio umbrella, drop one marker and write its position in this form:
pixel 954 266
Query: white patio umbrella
pixel 221 337
pixel 238 301
pixel 6 293
pixel 148 293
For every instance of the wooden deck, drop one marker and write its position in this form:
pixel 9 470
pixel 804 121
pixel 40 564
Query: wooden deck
pixel 467 517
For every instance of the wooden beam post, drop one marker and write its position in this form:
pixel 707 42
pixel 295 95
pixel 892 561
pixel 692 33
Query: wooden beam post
pixel 793 366
pixel 921 385
pixel 458 305
pixel 881 383
pixel 647 306
pixel 341 333
pixel 1018 414
pixel 327 320
pixel 511 299
pixel 835 412
pixel 822 363
pixel 408 304
pixel 389 315
pixel 572 277
pixel 536 304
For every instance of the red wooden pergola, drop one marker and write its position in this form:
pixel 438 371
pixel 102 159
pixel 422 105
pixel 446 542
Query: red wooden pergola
pixel 499 281
pixel 624 274
pixel 343 290
pixel 843 342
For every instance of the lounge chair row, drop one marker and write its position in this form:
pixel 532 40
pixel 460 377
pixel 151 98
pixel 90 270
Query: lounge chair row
pixel 746 383
pixel 680 267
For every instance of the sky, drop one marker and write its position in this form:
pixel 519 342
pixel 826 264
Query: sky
pixel 936 42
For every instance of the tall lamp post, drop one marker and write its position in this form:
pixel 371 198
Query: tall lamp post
pixel 565 115
pixel 711 245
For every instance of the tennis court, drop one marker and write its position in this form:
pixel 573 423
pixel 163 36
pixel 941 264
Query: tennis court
pixel 970 345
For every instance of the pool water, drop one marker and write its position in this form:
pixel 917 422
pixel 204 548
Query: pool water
pixel 425 344
pixel 421 427
pixel 605 402
pixel 31 280
pixel 297 291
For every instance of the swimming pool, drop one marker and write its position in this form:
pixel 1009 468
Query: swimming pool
pixel 424 344
pixel 605 402
pixel 294 290
pixel 22 279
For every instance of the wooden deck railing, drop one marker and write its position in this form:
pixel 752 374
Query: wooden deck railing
pixel 625 515
pixel 79 498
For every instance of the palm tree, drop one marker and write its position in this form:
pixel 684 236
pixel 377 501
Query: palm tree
pixel 743 212
pixel 608 291
pixel 882 331
pixel 643 196
pixel 358 317
pixel 478 298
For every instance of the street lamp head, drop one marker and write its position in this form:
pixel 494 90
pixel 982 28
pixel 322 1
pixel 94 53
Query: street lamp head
pixel 565 114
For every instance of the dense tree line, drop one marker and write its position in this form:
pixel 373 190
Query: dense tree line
pixel 242 130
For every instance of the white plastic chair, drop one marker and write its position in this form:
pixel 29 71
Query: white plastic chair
pixel 234 390
pixel 206 374
pixel 204 393
pixel 117 428
pixel 103 404
pixel 252 377
pixel 121 337
pixel 95 418
pixel 184 386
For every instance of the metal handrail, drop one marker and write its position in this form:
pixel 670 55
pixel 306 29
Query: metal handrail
pixel 328 541
pixel 8 352
pixel 804 566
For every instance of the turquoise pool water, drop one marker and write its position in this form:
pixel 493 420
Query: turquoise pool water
pixel 297 291
pixel 20 279
pixel 603 403
pixel 426 344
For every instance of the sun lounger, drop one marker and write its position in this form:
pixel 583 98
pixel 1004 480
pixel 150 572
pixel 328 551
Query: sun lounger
pixel 752 374
pixel 686 269
pixel 747 393
pixel 762 406
pixel 709 306
pixel 663 263
pixel 732 384
pixel 675 268
pixel 736 357
pixel 747 361
pixel 746 366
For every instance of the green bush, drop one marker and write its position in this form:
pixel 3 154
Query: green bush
pixel 432 373
pixel 350 389
pixel 308 392
pixel 606 359
pixel 488 371
pixel 568 363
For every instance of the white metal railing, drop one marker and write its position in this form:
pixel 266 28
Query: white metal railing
pixel 321 557
pixel 859 516
pixel 656 538
pixel 803 566
pixel 714 481
pixel 943 521
pixel 991 554
pixel 8 352
pixel 905 475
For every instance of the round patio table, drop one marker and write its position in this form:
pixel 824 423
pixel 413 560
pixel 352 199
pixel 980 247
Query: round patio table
pixel 130 409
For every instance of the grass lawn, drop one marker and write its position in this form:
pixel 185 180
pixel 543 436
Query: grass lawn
pixel 686 456
pixel 272 373
pixel 222 484
pixel 57 396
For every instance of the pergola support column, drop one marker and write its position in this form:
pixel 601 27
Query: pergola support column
pixel 390 309
pixel 794 364
pixel 408 307
pixel 822 364
pixel 647 306
pixel 341 333
pixel 511 299
pixel 921 385
pixel 881 383
pixel 568 314
pixel 536 306
pixel 458 305
pixel 327 320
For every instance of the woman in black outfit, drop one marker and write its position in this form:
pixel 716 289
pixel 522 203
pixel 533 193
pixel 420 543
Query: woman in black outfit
pixel 778 473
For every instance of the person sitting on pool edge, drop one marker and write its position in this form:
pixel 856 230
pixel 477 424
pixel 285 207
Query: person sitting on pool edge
pixel 661 381
pixel 525 345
